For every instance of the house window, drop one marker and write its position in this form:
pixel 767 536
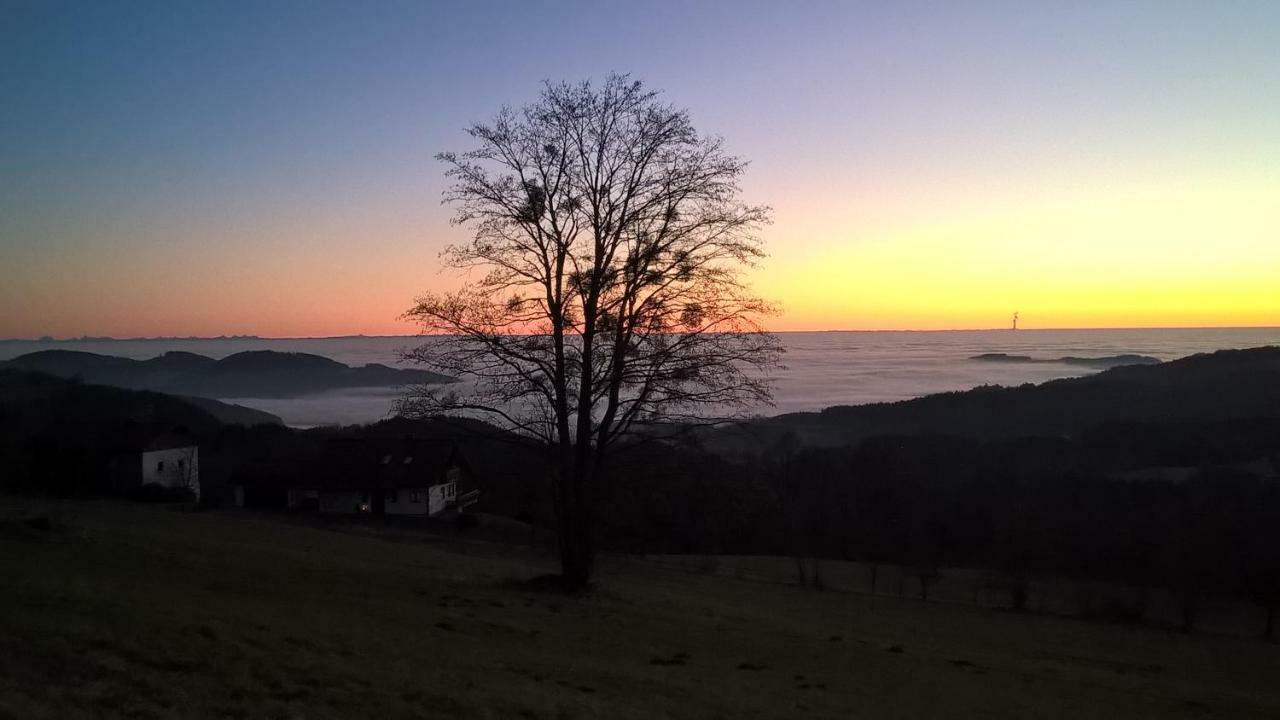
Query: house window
pixel 391 496
pixel 414 497
pixel 182 465
pixel 160 467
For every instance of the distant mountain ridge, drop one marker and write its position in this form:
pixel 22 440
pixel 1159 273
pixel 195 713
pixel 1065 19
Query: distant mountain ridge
pixel 1108 361
pixel 1219 386
pixel 254 373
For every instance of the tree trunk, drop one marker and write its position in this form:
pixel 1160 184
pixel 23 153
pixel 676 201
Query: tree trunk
pixel 1018 593
pixel 577 552
pixel 801 577
pixel 575 562
pixel 1190 609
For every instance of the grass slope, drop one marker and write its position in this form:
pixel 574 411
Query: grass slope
pixel 130 611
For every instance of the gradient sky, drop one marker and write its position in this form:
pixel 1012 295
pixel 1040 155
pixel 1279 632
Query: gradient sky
pixel 176 168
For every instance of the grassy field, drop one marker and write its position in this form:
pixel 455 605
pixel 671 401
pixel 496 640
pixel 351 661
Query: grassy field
pixel 116 610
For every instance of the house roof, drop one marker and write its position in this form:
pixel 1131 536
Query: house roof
pixel 377 463
pixel 177 438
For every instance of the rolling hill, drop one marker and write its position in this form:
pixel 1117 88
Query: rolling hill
pixel 1219 386
pixel 32 400
pixel 257 373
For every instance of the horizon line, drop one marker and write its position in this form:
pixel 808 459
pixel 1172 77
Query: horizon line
pixel 157 338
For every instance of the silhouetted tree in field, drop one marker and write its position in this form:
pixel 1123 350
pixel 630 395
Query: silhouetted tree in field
pixel 610 239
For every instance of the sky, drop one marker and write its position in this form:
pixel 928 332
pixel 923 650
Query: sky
pixel 267 167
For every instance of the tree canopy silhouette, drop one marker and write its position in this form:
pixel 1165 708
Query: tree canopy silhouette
pixel 612 243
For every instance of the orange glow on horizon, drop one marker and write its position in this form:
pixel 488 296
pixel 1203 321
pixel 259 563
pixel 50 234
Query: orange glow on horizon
pixel 1156 255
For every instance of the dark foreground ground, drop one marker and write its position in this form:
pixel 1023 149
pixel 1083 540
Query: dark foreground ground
pixel 129 611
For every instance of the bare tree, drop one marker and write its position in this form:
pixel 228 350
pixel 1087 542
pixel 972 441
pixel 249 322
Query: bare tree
pixel 611 241
pixel 188 471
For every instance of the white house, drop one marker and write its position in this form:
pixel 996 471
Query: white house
pixel 172 461
pixel 404 477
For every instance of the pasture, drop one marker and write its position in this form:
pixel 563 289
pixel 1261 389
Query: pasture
pixel 116 610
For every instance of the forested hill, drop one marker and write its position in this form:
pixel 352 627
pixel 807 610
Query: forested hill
pixel 64 437
pixel 1224 385
pixel 34 402
pixel 257 373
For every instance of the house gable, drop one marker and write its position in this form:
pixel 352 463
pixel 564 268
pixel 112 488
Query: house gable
pixel 378 476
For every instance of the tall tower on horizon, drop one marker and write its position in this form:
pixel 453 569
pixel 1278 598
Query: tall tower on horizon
pixel 1015 321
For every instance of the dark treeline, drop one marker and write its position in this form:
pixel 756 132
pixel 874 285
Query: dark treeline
pixel 1190 508
pixel 267 460
pixel 64 438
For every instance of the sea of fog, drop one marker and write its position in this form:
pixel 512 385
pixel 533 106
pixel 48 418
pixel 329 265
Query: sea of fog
pixel 821 368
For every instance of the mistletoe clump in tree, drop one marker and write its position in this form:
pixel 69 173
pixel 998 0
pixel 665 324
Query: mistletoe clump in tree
pixel 612 243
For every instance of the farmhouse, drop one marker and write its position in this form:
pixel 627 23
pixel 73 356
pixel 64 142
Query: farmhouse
pixel 168 461
pixel 400 477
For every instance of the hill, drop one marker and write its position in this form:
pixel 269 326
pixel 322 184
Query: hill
pixel 61 436
pixel 113 611
pixel 255 373
pixel 230 413
pixel 34 400
pixel 1224 385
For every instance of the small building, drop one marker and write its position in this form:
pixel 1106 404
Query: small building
pixel 155 464
pixel 405 477
pixel 172 461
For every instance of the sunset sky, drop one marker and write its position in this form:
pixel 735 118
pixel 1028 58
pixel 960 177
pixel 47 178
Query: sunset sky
pixel 175 168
